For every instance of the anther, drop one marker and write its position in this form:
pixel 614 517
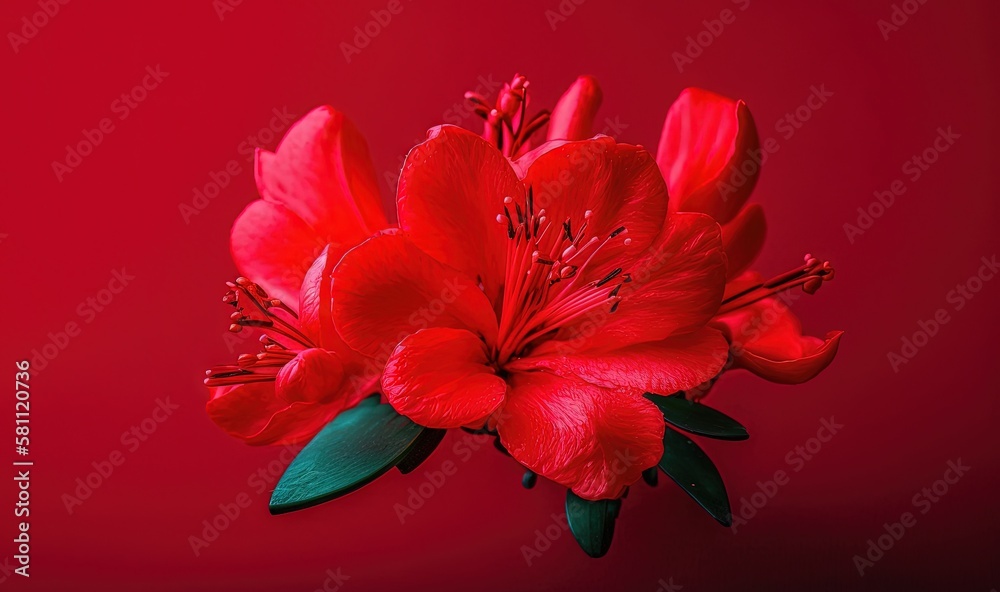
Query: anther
pixel 614 273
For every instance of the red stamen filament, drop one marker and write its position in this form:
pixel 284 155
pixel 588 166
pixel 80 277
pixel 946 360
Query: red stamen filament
pixel 273 317
pixel 810 276
pixel 545 289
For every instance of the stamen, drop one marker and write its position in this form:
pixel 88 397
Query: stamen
pixel 614 273
pixel 532 305
pixel 810 276
pixel 254 308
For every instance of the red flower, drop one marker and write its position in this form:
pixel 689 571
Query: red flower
pixel 319 198
pixel 318 189
pixel 545 305
pixel 709 155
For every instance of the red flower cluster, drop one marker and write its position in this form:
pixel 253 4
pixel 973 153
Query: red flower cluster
pixel 535 291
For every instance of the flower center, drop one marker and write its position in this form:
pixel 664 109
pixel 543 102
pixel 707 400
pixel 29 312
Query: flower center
pixel 546 262
pixel 282 340
pixel 810 276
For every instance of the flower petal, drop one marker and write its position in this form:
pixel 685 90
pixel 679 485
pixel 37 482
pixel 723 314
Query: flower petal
pixel 441 378
pixel 619 184
pixel 766 338
pixel 676 288
pixel 743 238
pixel 316 321
pixel 386 288
pixel 523 162
pixel 323 172
pixel 450 192
pixel 315 301
pixel 706 154
pixel 573 116
pixel 254 413
pixel 312 376
pixel 595 441
pixel 275 248
pixel 675 364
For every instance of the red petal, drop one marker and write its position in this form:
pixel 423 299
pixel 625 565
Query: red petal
pixel 675 364
pixel 573 116
pixel 315 302
pixel 253 413
pixel 323 172
pixel 312 376
pixel 523 162
pixel 274 248
pixel 743 238
pixel 441 378
pixel 593 440
pixel 706 140
pixel 676 288
pixel 766 338
pixel 387 288
pixel 450 192
pixel 618 183
pixel 316 321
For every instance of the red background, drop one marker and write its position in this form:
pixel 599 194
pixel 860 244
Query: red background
pixel 120 207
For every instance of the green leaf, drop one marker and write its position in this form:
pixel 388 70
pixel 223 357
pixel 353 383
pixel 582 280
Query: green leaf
pixel 697 418
pixel 592 523
pixel 427 442
pixel 689 466
pixel 354 449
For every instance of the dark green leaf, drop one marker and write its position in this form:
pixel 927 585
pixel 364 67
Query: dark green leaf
pixel 592 523
pixel 354 449
pixel 425 445
pixel 689 466
pixel 697 418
